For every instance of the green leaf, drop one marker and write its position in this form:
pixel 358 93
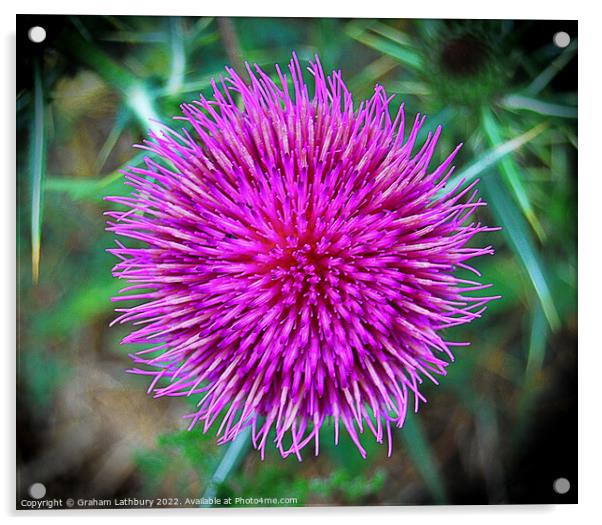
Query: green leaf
pixel 94 189
pixel 509 171
pixel 121 121
pixel 537 342
pixel 141 103
pixel 385 40
pixel 370 73
pixel 409 87
pixel 178 55
pixel 423 457
pixel 491 157
pixel 38 168
pixel 543 79
pixel 391 33
pixel 440 118
pixel 549 109
pixel 198 29
pixel 517 233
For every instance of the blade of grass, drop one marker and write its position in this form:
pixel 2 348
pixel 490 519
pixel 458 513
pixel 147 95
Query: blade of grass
pixel 422 457
pixel 372 72
pixel 198 29
pixel 509 171
pixel 409 87
pixel 121 121
pixel 517 233
pixel 141 104
pixel 440 118
pixel 540 107
pixel 391 33
pixel 543 79
pixel 537 343
pixel 86 189
pixel 178 55
pixel 38 169
pixel 95 189
pixel 401 52
pixel 232 458
pixel 430 29
pixel 491 157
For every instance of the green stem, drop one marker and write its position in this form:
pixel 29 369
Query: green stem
pixel 232 458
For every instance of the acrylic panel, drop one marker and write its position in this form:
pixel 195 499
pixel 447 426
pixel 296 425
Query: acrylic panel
pixel 295 262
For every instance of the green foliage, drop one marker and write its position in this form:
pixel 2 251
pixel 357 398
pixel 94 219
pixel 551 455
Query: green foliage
pixel 43 373
pixel 191 459
pixel 516 231
pixel 180 464
pixel 110 75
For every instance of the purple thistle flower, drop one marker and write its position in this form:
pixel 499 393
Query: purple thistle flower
pixel 296 260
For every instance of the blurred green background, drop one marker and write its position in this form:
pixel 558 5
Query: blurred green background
pixel 500 428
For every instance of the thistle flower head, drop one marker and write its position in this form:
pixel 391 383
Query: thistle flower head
pixel 296 260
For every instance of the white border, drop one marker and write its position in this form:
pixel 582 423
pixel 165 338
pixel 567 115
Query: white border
pixel 590 254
